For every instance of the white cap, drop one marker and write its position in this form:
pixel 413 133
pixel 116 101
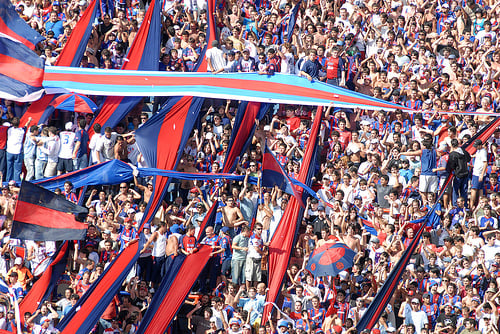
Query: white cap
pixel 68 126
pixel 18 260
pixel 415 300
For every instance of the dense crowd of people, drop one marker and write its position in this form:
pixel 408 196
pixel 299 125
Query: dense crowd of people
pixel 382 167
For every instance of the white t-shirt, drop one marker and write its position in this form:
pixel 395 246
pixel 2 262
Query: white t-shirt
pixel 15 138
pixel 216 57
pixel 287 64
pixel 92 145
pixel 67 144
pixel 479 160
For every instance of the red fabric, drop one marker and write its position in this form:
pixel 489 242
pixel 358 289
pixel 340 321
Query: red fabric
pixel 280 248
pixel 17 69
pixel 37 108
pixel 191 268
pixel 3 137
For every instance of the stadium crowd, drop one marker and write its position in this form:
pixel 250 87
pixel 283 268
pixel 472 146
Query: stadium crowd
pixel 382 167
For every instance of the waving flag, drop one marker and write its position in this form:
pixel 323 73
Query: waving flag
pixel 368 225
pixel 144 55
pixel 274 175
pixel 243 131
pixel 16 59
pixel 71 55
pixel 84 315
pixel 42 215
pixel 182 273
pixel 277 88
pixel 280 248
pixel 12 25
pixel 43 287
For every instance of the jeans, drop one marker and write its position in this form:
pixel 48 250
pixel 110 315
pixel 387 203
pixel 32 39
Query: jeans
pixel 81 162
pixel 14 166
pixel 334 81
pixel 459 188
pixel 39 168
pixel 3 162
pixel 29 163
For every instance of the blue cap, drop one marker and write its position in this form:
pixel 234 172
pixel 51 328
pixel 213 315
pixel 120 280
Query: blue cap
pixel 282 323
pixel 174 228
pixel 147 225
pixel 225 229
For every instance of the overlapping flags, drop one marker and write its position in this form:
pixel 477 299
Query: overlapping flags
pixel 42 215
pixel 175 286
pixel 144 55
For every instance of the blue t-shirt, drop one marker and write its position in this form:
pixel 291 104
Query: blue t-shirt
pixel 428 162
pixel 83 137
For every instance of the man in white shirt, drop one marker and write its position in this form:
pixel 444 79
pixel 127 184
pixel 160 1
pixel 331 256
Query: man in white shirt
pixel 65 162
pixel 215 58
pixel 15 137
pixel 50 146
pixel 105 145
pixel 94 154
pixel 478 172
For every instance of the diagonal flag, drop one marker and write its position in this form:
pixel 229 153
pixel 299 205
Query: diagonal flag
pixel 291 22
pixel 144 55
pixel 368 225
pixel 209 220
pixel 16 59
pixel 12 25
pixel 42 215
pixel 243 131
pixel 274 175
pixel 43 287
pixel 280 248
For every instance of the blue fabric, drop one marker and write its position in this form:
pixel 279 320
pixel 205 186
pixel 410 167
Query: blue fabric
pixel 15 23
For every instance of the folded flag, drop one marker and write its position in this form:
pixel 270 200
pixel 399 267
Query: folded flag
pixel 12 25
pixel 41 215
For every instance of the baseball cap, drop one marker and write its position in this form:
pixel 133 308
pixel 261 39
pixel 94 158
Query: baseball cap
pixel 68 126
pixel 478 142
pixel 282 323
pixel 175 228
pixel 18 260
pixel 390 329
pixel 225 229
pixel 415 300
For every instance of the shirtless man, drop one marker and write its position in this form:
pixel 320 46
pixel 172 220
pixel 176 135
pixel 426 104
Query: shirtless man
pixel 303 241
pixel 351 240
pixel 356 149
pixel 172 215
pixel 124 191
pixel 186 166
pixel 172 249
pixel 147 191
pixel 128 306
pixel 231 214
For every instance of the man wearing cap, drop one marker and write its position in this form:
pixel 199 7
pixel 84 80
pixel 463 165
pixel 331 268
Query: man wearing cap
pixel 478 172
pixel 67 139
pixel 417 317
pixel 126 233
pixel 24 275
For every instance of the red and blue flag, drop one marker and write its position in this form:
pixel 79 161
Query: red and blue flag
pixel 42 215
pixel 12 25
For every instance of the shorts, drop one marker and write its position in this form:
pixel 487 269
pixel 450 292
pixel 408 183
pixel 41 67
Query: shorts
pixel 65 165
pixel 448 188
pixel 253 271
pixel 475 184
pixel 428 183
pixel 238 271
